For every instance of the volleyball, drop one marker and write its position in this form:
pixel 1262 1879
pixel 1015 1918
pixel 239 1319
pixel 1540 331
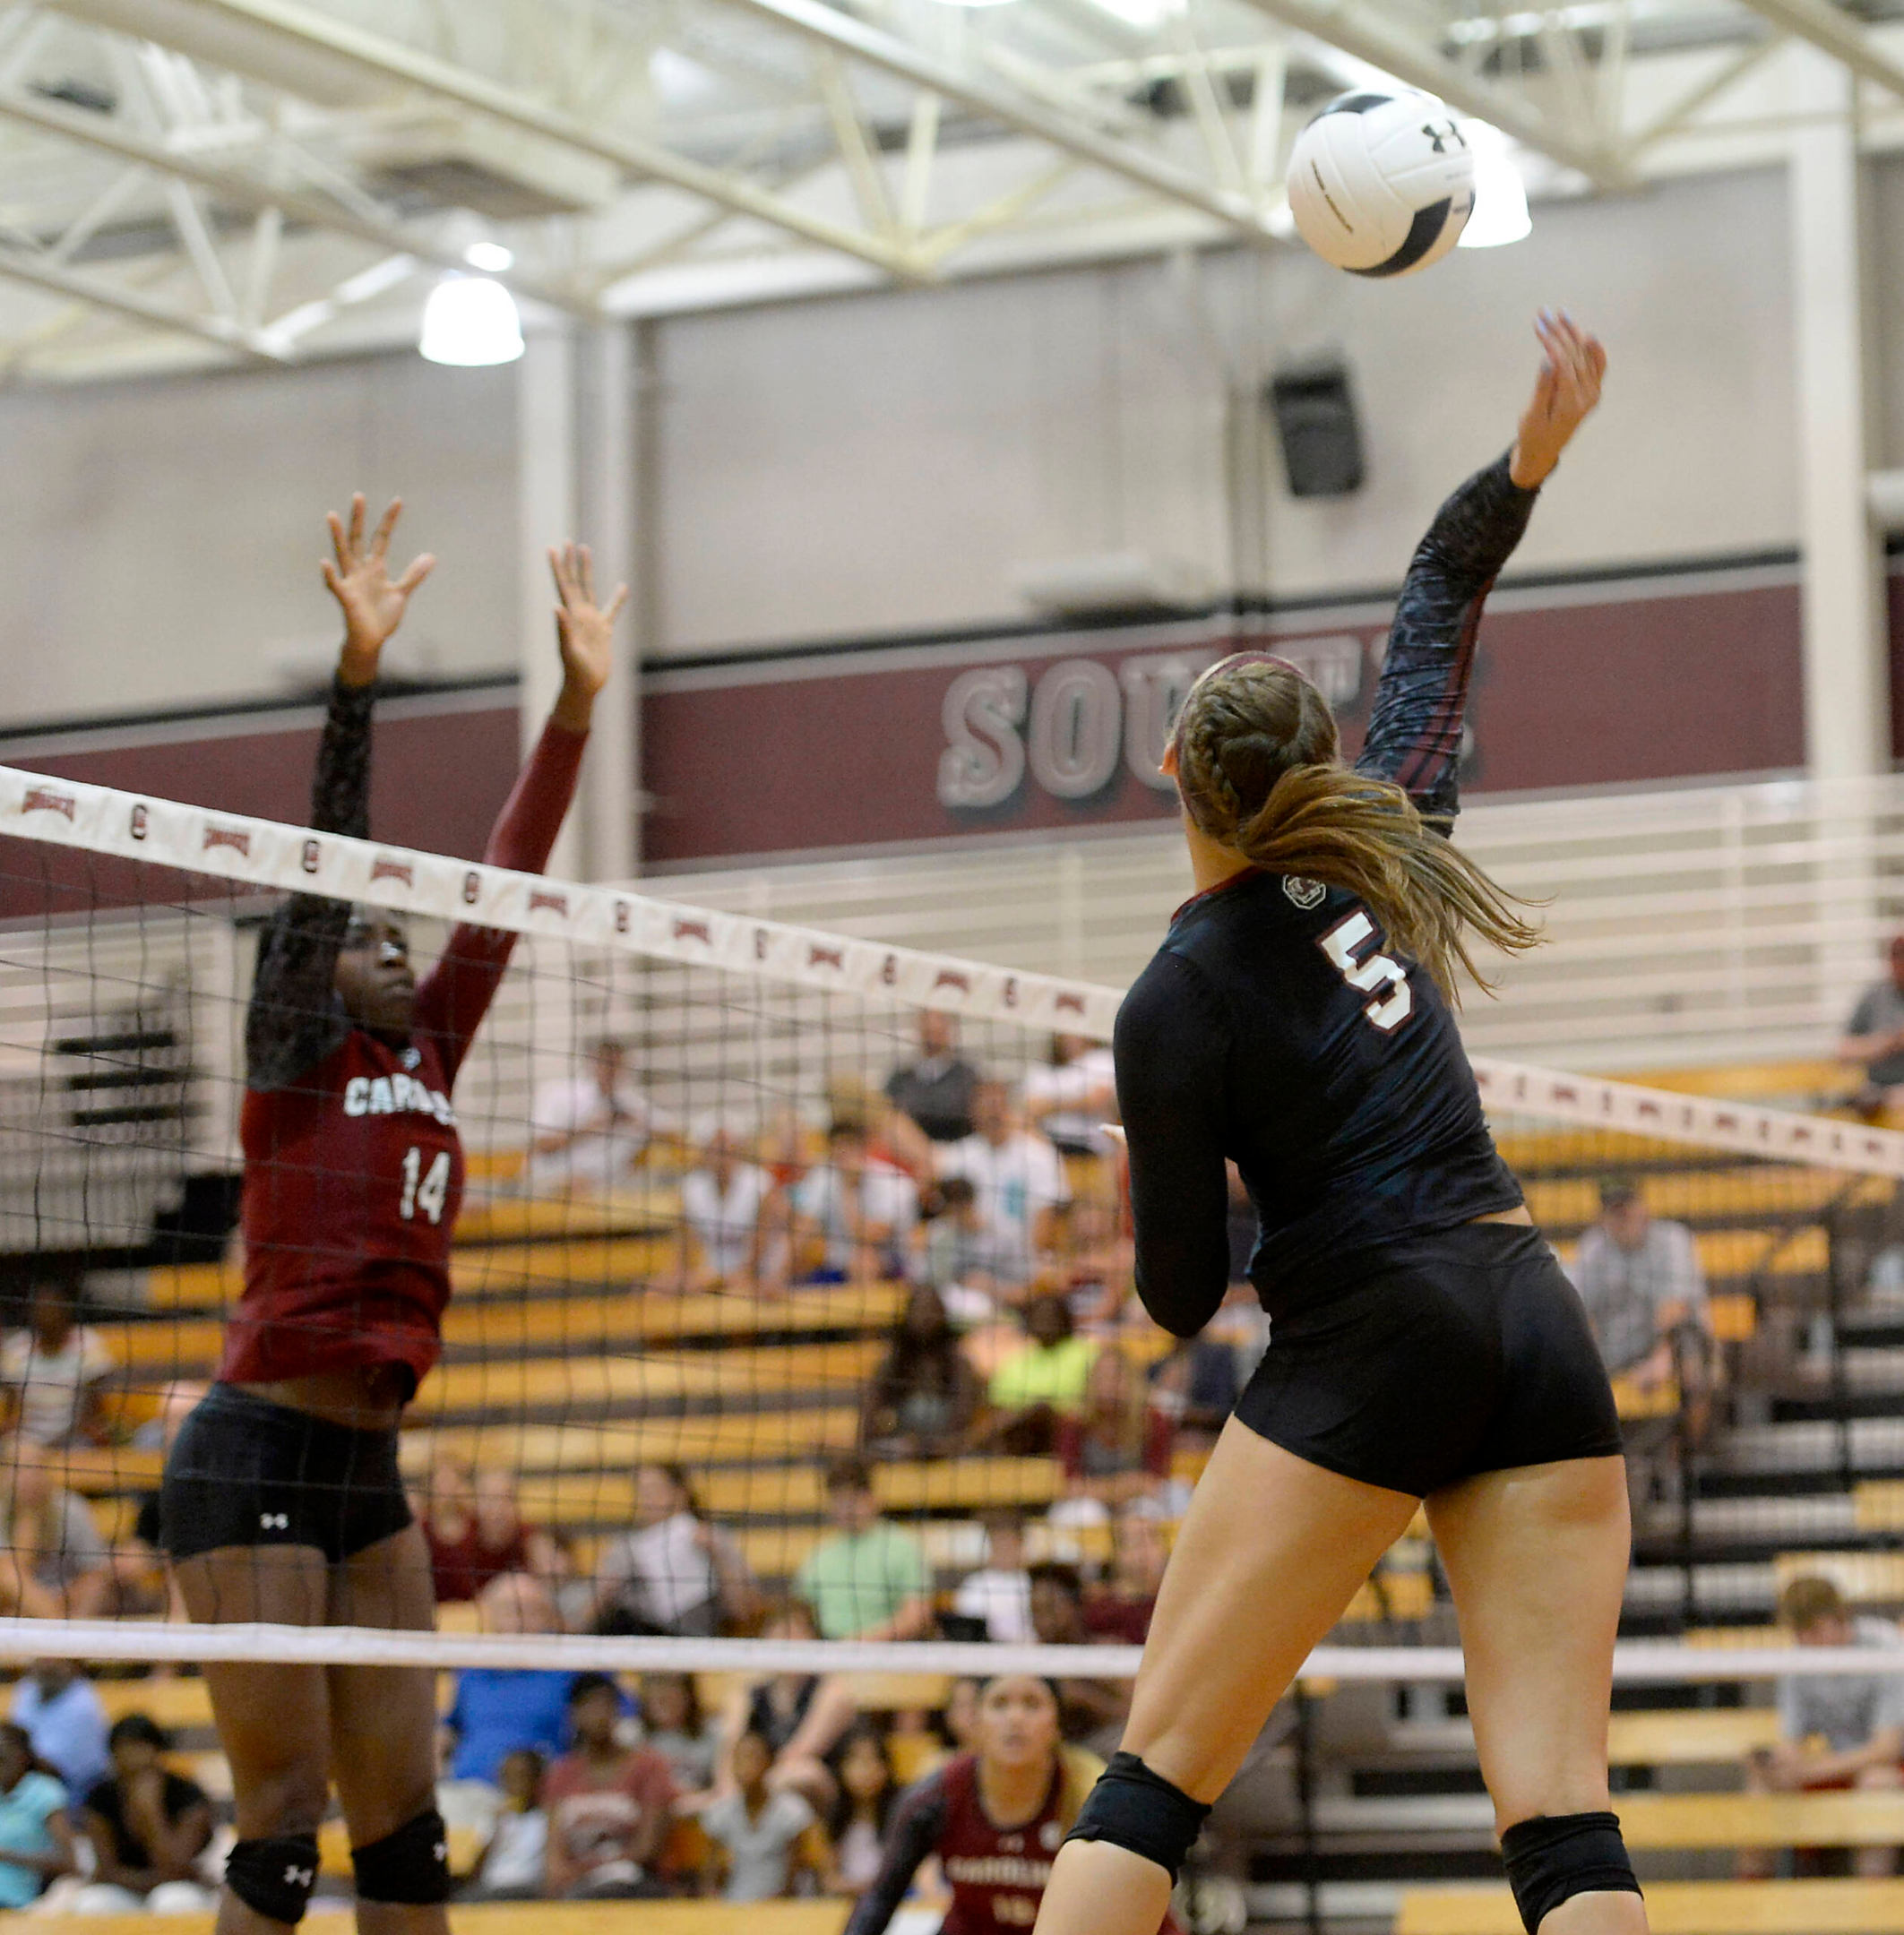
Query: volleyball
pixel 1382 185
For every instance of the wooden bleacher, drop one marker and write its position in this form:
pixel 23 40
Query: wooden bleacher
pixel 1690 1737
pixel 1684 1908
pixel 820 1917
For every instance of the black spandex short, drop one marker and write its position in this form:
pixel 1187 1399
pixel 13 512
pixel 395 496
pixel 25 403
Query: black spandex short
pixel 243 1471
pixel 1446 1355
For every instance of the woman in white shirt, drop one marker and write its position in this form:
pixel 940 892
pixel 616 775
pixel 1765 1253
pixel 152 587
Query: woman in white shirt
pixel 674 1573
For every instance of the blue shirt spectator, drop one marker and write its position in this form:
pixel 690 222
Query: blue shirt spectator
pixel 58 1706
pixel 499 1709
pixel 33 1823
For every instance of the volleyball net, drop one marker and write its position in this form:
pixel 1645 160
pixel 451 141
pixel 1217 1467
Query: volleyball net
pixel 792 1286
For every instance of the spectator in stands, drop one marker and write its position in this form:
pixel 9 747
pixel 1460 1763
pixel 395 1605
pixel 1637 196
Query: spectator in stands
pixel 677 1573
pixel 1120 1610
pixel 723 1225
pixel 1097 1265
pixel 149 1829
pixel 1072 1094
pixel 65 1723
pixel 1040 1382
pixel 800 1715
pixel 56 1370
pixel 954 1255
pixel 1018 1181
pixel 852 1215
pixel 924 1397
pixel 870 1580
pixel 587 1130
pixel 475 1531
pixel 758 1832
pixel 498 1709
pixel 610 1806
pixel 512 1865
pixel 856 1827
pixel 1000 1593
pixel 1639 1276
pixel 1841 1731
pixel 674 1725
pixel 141 1584
pixel 960 1719
pixel 36 1832
pixel 1115 1448
pixel 1196 1388
pixel 1092 1711
pixel 1874 1039
pixel 59 1564
pixel 936 1088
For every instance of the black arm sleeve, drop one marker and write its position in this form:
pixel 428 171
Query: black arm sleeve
pixel 1414 734
pixel 917 1822
pixel 295 1019
pixel 1172 1049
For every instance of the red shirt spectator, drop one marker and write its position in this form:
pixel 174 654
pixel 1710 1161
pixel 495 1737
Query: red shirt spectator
pixel 610 1807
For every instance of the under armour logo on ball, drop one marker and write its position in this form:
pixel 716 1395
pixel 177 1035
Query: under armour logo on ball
pixel 275 1521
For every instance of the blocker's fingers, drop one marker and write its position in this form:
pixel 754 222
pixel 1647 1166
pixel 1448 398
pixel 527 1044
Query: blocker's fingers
pixel 331 578
pixel 586 559
pixel 356 522
pixel 419 569
pixel 559 573
pixel 617 602
pixel 386 525
pixel 336 540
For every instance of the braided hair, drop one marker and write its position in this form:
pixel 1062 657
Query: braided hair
pixel 1260 769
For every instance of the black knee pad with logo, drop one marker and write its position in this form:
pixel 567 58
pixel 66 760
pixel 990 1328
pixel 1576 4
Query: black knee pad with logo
pixel 275 1877
pixel 410 1867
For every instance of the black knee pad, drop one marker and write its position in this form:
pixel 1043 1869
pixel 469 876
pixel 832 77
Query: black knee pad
pixel 1554 1857
pixel 410 1867
pixel 274 1878
pixel 1133 1808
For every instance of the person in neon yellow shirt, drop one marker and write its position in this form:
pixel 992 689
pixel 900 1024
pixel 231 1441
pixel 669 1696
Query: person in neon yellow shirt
pixel 1042 1381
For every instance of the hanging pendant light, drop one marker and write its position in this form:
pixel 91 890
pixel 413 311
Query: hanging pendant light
pixel 471 322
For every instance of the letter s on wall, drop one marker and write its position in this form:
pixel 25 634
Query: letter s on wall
pixel 984 760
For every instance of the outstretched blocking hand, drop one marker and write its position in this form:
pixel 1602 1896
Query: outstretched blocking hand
pixel 584 631
pixel 1573 363
pixel 372 602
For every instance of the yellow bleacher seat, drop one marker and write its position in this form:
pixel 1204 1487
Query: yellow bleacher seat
pixel 729 1437
pixel 821 1917
pixel 1677 1737
pixel 1864 1578
pixel 1735 1820
pixel 1684 1908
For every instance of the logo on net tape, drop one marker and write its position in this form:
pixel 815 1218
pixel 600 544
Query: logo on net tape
pixel 1066 1003
pixel 695 930
pixel 235 837
pixel 43 799
pixel 396 869
pixel 824 957
pixel 545 900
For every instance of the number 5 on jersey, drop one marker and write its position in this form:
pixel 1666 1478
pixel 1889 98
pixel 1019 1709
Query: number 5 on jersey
pixel 429 1194
pixel 1378 971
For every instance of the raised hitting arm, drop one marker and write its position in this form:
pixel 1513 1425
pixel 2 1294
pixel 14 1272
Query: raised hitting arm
pixel 295 1019
pixel 1415 732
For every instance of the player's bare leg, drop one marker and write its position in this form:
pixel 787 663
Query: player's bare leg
pixel 274 1720
pixel 1271 1552
pixel 384 1718
pixel 1536 1558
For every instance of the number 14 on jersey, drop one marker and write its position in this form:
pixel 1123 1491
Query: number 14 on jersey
pixel 430 1194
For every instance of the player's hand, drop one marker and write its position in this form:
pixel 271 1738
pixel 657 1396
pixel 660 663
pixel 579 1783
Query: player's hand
pixel 584 631
pixel 359 579
pixel 1573 363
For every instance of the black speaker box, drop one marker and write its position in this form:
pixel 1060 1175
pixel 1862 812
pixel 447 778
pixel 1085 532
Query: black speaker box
pixel 1316 420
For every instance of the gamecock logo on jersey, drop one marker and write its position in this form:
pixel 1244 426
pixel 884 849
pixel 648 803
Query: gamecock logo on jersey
pixel 235 837
pixel 1304 893
pixel 39 800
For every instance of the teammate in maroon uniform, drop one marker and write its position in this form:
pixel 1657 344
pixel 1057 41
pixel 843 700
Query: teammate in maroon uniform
pixel 282 1500
pixel 995 1818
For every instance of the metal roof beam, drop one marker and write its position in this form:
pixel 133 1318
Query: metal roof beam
pixel 231 337
pixel 1358 29
pixel 841 32
pixel 390 61
pixel 113 137
pixel 1839 34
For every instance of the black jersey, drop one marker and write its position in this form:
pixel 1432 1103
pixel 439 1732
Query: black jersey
pixel 1274 1027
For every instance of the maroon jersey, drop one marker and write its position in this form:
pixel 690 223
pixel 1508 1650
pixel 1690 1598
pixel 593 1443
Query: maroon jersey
pixel 996 1875
pixel 353 1167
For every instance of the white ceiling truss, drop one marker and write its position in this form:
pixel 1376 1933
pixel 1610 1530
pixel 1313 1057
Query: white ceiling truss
pixel 188 181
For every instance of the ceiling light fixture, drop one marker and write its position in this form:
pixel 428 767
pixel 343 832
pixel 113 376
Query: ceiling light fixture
pixel 469 323
pixel 490 257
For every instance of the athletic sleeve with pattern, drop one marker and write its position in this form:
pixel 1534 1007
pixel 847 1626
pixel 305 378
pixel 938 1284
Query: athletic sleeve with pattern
pixel 1415 732
pixel 296 1018
pixel 917 1823
pixel 456 993
pixel 1173 1049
